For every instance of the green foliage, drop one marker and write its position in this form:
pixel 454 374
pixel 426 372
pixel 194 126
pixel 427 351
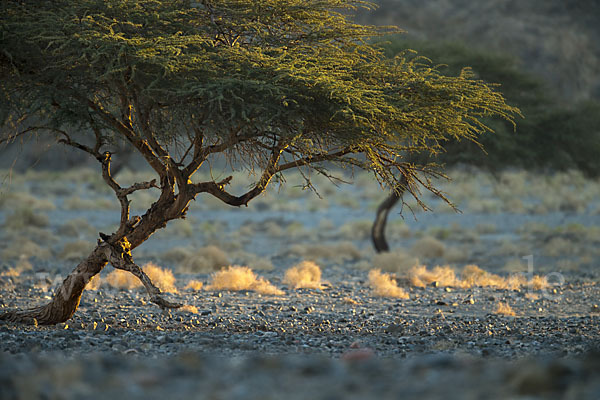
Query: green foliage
pixel 247 79
pixel 550 136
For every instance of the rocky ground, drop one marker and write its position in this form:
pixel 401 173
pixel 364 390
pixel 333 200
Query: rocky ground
pixel 433 335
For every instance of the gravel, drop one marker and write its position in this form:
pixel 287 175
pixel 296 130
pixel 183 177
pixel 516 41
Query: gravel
pixel 330 343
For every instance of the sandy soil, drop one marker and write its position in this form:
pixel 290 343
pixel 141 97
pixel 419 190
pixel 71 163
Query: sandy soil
pixel 511 310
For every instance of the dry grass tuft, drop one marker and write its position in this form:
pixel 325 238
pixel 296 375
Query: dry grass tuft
pixel 120 280
pixel 94 283
pixel 420 276
pixel 241 278
pixel 472 276
pixel 162 278
pixel 189 308
pixel 194 285
pixel 385 286
pixel 307 275
pixel 504 309
pixel 204 259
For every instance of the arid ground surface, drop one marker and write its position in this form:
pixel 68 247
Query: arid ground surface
pixel 511 311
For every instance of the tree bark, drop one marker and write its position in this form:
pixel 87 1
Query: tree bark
pixel 378 229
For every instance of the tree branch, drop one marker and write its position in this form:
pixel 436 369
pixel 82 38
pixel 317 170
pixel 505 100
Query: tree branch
pixel 126 223
pixel 119 255
pixel 217 188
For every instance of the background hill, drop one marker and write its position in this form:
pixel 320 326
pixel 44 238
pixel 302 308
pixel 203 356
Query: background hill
pixel 557 39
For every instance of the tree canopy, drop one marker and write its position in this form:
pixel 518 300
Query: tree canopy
pixel 292 78
pixel 272 85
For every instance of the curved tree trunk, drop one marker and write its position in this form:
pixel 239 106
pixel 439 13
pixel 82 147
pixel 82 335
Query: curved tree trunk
pixel 115 249
pixel 66 297
pixel 378 229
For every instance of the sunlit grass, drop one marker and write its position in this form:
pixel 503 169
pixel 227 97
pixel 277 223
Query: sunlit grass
pixel 307 274
pixel 504 309
pixel 385 286
pixel 236 278
pixel 162 278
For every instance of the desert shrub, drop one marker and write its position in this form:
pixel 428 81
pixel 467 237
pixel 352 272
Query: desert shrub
pixel 385 286
pixel 23 218
pixel 307 274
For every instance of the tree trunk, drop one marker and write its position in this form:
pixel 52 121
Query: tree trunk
pixel 378 229
pixel 113 249
pixel 66 297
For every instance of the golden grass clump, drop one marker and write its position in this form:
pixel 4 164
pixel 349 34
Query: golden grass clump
pixel 241 278
pixel 120 279
pixel 189 308
pixel 94 283
pixel 307 275
pixel 504 309
pixel 394 261
pixel 194 285
pixel 420 276
pixel 205 259
pixel 428 247
pixel 162 278
pixel 385 286
pixel 472 276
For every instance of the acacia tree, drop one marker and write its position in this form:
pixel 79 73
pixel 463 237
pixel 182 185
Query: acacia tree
pixel 272 85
